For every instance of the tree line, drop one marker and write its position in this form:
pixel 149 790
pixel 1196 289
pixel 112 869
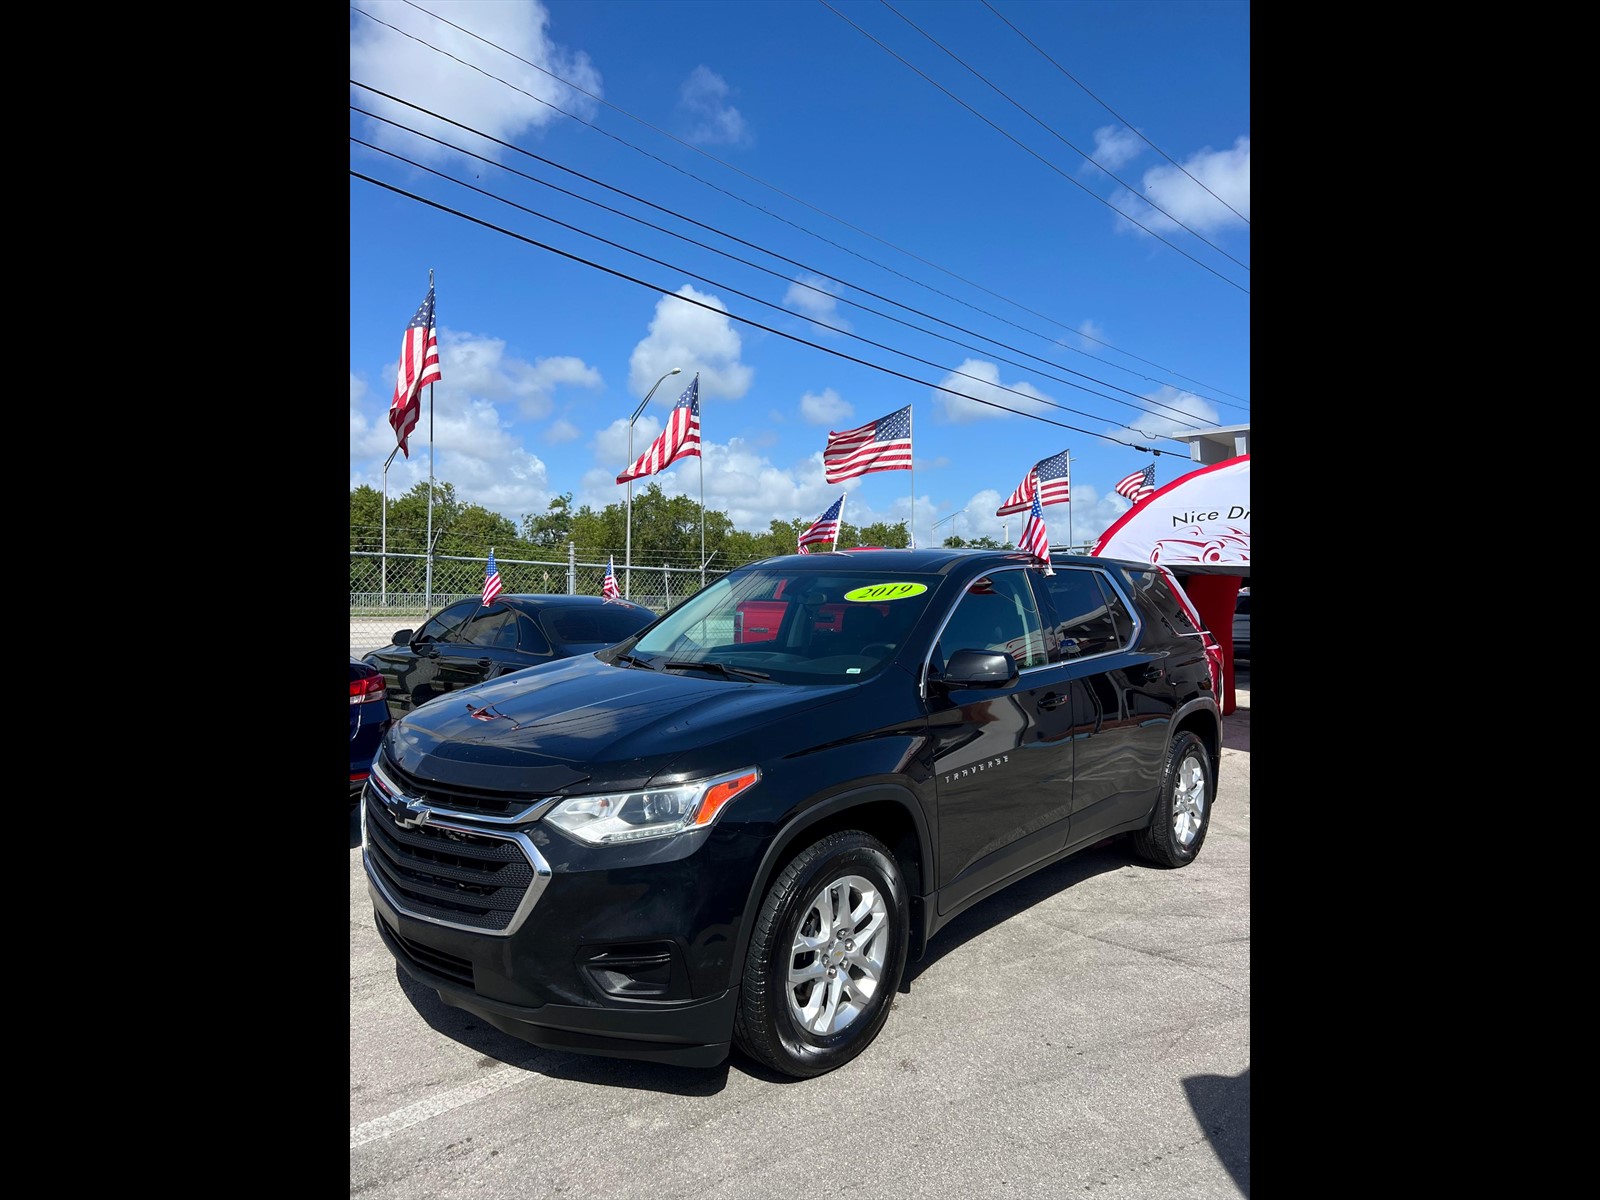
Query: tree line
pixel 666 529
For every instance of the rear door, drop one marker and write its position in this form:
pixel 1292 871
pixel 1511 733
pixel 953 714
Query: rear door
pixel 1121 705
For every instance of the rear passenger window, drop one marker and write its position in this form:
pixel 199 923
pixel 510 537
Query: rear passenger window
pixel 497 627
pixel 1158 590
pixel 1084 620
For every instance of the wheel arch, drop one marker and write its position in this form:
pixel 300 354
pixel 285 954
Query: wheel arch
pixel 1202 718
pixel 890 814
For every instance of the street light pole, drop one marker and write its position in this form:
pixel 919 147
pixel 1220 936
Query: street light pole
pixel 627 553
pixel 942 520
pixel 383 554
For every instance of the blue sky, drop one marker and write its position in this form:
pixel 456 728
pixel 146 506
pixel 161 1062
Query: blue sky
pixel 844 207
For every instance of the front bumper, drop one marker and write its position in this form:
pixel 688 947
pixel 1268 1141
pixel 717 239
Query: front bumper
pixel 618 951
pixel 695 1033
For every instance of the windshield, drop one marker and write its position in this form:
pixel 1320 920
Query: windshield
pixel 764 624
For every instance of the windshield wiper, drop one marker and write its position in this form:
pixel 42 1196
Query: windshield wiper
pixel 631 660
pixel 731 672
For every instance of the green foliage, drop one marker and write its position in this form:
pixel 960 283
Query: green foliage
pixel 666 530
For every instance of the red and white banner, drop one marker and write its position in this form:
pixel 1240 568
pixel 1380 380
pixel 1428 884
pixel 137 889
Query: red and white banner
pixel 1200 518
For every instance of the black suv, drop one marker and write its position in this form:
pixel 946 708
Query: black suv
pixel 738 824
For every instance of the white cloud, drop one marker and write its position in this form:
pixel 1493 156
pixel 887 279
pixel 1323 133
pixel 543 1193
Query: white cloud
pixel 982 381
pixel 1225 172
pixel 474 447
pixel 703 96
pixel 1171 411
pixel 827 408
pixel 695 339
pixel 814 298
pixel 481 367
pixel 1115 146
pixel 562 431
pixel 406 66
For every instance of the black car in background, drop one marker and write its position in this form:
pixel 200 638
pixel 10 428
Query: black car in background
pixel 467 642
pixel 736 827
pixel 369 721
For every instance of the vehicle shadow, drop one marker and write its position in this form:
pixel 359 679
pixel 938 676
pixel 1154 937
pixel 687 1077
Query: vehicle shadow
pixel 1221 1105
pixel 355 826
pixel 1018 897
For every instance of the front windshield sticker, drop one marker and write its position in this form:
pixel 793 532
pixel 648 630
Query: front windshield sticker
pixel 884 591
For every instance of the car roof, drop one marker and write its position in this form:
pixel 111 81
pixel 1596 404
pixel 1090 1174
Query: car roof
pixel 935 561
pixel 550 599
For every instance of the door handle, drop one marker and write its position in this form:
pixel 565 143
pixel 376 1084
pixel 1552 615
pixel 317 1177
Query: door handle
pixel 1052 700
pixel 1152 674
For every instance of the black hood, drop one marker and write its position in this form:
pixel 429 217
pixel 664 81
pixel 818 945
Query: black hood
pixel 581 721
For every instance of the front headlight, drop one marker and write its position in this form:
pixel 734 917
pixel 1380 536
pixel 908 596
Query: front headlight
pixel 651 812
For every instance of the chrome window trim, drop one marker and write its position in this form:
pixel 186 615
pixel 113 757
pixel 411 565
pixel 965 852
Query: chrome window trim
pixel 927 655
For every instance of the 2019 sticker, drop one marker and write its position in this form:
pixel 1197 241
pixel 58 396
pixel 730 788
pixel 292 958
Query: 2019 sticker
pixel 877 592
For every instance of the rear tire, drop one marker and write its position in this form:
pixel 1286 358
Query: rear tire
pixel 825 957
pixel 1182 813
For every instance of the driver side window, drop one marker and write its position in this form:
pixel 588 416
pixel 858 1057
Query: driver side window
pixel 997 614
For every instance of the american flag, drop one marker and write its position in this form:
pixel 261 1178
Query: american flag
pixel 825 528
pixel 1034 539
pixel 419 366
pixel 491 581
pixel 881 445
pixel 609 589
pixel 1051 475
pixel 1138 485
pixel 680 439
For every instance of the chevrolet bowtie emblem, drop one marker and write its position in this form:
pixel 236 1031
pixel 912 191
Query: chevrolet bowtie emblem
pixel 413 814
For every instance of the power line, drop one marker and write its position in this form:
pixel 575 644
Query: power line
pixel 1128 125
pixel 742 200
pixel 1086 157
pixel 1144 408
pixel 1030 150
pixel 717 283
pixel 723 312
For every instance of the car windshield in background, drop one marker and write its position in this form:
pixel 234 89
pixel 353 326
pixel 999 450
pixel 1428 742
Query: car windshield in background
pixel 805 626
pixel 590 625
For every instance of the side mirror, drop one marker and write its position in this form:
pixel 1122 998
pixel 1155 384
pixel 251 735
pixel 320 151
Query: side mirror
pixel 979 668
pixel 402 637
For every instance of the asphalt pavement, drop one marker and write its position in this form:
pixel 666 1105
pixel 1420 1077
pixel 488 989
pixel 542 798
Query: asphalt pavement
pixel 1085 1032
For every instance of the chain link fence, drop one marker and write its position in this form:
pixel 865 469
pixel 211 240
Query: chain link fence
pixel 389 592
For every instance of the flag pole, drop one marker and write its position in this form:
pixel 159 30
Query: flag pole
pixel 384 551
pixel 839 525
pixel 912 524
pixel 428 571
pixel 702 460
pixel 1069 499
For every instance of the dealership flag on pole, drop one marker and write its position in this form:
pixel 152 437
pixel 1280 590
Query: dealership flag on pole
pixel 491 580
pixel 881 445
pixel 825 528
pixel 609 589
pixel 680 439
pixel 1049 477
pixel 1138 485
pixel 1034 539
pixel 419 366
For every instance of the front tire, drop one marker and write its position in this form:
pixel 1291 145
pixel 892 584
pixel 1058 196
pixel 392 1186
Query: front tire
pixel 1182 814
pixel 825 957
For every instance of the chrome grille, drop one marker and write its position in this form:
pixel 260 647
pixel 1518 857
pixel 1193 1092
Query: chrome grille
pixel 437 868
